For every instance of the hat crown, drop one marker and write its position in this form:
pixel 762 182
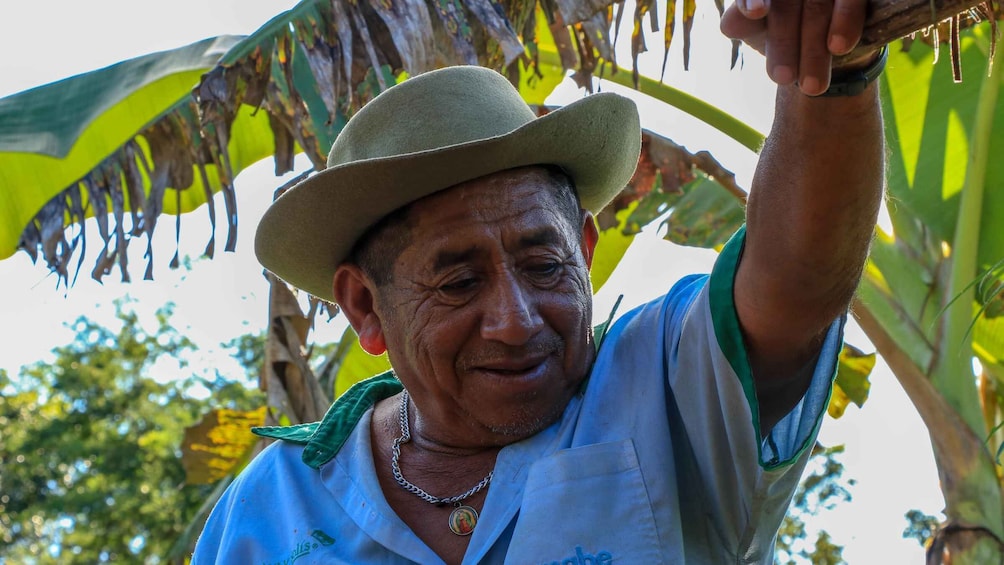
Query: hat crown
pixel 432 111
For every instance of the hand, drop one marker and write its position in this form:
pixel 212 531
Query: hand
pixel 799 37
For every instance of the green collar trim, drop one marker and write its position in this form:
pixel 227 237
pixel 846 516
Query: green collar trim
pixel 323 440
pixel 299 433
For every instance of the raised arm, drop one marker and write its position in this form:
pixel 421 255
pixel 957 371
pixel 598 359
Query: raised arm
pixel 815 194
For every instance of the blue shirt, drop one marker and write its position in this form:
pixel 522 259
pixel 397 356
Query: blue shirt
pixel 658 460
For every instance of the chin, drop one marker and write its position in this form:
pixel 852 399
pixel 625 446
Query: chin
pixel 530 420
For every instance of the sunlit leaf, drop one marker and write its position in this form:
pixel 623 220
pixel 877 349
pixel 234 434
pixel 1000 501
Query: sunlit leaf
pixel 701 213
pixel 929 123
pixel 610 250
pixel 537 82
pixel 706 216
pixel 219 444
pixel 357 364
pixel 55 134
pixel 851 384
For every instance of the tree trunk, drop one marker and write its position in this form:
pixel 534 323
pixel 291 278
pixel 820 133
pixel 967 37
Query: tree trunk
pixel 968 476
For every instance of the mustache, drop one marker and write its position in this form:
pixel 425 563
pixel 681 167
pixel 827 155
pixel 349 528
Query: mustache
pixel 495 352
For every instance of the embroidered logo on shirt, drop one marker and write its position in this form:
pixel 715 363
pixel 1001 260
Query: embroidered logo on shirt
pixel 322 537
pixel 581 558
pixel 319 538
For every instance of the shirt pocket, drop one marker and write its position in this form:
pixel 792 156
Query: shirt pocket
pixel 586 506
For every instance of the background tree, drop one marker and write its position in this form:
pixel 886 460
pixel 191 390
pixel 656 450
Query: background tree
pixel 822 489
pixel 90 466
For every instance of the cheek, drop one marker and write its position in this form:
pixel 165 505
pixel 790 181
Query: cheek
pixel 580 292
pixel 570 313
pixel 431 337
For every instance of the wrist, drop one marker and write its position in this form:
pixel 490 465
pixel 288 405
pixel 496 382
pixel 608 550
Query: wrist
pixel 857 59
pixel 852 77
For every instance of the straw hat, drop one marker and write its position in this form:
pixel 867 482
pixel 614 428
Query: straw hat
pixel 429 133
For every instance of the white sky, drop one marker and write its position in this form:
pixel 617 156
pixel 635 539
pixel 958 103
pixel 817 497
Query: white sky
pixel 888 451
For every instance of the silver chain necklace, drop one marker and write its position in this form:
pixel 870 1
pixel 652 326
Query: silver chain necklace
pixel 463 518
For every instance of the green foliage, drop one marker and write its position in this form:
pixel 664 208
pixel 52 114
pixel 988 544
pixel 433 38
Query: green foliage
pixel 220 445
pixel 702 213
pixel 945 212
pixel 89 462
pixel 851 384
pixel 821 490
pixel 355 364
pixel 55 134
pixel 610 249
pixel 920 527
pixel 249 351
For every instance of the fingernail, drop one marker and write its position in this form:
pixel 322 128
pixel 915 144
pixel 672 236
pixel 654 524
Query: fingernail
pixel 783 74
pixel 810 85
pixel 838 44
pixel 754 5
pixel 742 5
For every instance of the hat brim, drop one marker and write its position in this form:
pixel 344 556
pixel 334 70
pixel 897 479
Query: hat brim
pixel 309 231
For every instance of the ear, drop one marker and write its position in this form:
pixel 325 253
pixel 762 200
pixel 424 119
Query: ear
pixel 590 236
pixel 354 293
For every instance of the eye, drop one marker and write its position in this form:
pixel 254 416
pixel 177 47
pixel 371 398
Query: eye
pixel 544 269
pixel 458 285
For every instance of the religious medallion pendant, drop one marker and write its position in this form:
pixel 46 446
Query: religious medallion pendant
pixel 463 519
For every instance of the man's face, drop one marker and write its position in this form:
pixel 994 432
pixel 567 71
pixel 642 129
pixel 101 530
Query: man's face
pixel 487 316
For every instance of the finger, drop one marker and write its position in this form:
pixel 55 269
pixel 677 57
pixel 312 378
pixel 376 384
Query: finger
pixel 847 25
pixel 814 59
pixel 753 9
pixel 735 25
pixel 783 40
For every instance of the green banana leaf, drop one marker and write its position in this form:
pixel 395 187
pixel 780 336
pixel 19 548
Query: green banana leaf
pixel 930 124
pixel 851 383
pixel 55 134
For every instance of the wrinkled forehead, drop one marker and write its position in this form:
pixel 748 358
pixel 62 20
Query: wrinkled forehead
pixel 501 198
pixel 518 208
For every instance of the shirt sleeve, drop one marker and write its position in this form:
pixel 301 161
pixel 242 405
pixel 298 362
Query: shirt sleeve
pixel 743 482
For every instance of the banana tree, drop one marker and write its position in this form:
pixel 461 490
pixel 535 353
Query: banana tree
pixel 931 296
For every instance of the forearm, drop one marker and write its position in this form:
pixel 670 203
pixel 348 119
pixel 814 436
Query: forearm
pixel 810 218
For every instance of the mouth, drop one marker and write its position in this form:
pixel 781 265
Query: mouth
pixel 515 365
pixel 515 373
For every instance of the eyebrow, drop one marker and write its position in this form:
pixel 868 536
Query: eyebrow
pixel 540 237
pixel 446 259
pixel 544 236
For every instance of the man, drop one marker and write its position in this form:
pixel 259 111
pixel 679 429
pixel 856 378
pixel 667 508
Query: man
pixel 456 233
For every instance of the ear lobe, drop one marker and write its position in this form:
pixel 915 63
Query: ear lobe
pixel 590 236
pixel 371 336
pixel 353 291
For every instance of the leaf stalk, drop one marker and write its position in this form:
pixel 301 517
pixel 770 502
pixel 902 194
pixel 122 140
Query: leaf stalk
pixel 953 376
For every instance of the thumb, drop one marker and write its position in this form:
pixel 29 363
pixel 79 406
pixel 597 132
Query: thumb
pixel 752 32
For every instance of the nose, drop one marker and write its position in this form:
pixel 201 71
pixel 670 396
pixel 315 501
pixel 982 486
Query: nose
pixel 510 314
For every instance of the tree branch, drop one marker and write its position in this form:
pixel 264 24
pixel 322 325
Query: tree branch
pixel 889 20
